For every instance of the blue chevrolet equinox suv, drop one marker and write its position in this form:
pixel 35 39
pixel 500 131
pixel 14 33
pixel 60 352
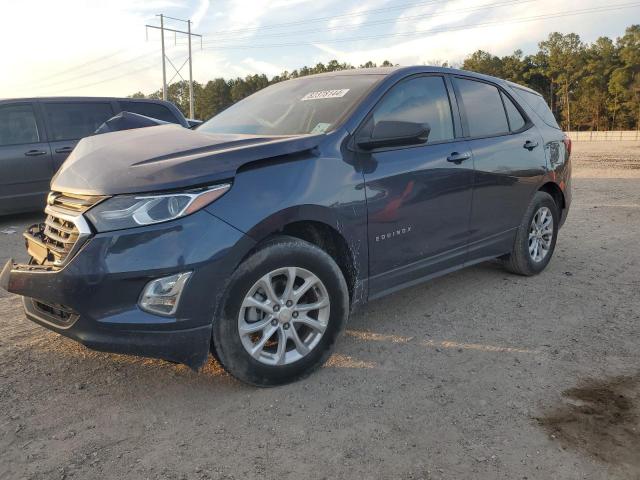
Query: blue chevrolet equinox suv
pixel 255 236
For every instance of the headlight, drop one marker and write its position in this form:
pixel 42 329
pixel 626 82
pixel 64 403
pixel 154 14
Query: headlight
pixel 126 211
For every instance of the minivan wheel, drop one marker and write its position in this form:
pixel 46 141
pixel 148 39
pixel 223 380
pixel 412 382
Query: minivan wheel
pixel 284 308
pixel 536 237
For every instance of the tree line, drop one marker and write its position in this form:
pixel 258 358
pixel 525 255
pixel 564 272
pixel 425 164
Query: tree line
pixel 589 86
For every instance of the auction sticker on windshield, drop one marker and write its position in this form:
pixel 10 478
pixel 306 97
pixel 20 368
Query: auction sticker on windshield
pixel 322 94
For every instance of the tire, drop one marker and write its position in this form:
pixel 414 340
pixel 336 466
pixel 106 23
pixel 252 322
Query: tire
pixel 301 338
pixel 521 260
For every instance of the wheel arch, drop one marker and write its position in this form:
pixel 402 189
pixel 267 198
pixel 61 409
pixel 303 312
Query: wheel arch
pixel 318 226
pixel 556 193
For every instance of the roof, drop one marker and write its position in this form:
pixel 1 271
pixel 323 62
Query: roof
pixel 402 71
pixel 357 71
pixel 65 98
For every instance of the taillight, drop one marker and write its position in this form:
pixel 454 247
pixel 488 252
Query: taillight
pixel 567 144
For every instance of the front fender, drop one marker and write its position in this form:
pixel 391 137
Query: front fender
pixel 324 189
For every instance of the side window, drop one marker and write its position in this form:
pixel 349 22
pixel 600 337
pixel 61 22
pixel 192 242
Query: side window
pixel 537 103
pixel 70 121
pixel 153 110
pixel 422 100
pixel 484 109
pixel 516 121
pixel 18 125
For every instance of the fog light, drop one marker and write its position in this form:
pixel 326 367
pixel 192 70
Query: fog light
pixel 161 296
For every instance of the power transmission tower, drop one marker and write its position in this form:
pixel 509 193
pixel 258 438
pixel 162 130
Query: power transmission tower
pixel 188 33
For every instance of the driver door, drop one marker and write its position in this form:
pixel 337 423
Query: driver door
pixel 418 196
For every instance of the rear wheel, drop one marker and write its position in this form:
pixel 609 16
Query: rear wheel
pixel 282 313
pixel 536 237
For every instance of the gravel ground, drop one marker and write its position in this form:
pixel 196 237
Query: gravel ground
pixel 479 375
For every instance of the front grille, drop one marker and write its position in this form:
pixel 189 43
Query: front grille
pixel 64 225
pixel 71 203
pixel 59 236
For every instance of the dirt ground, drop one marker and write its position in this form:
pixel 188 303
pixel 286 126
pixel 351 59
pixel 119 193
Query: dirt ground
pixel 476 375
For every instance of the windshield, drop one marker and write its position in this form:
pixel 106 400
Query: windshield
pixel 295 107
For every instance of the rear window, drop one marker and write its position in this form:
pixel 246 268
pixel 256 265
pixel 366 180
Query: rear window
pixel 153 110
pixel 483 107
pixel 537 103
pixel 70 121
pixel 18 125
pixel 516 120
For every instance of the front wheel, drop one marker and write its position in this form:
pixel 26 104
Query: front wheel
pixel 284 308
pixel 536 237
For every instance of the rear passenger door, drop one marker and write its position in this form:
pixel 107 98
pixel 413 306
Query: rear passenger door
pixel 25 159
pixel 509 163
pixel 69 121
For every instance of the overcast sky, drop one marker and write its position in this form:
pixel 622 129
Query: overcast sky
pixel 75 47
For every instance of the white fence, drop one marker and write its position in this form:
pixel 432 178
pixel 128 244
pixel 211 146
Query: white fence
pixel 613 135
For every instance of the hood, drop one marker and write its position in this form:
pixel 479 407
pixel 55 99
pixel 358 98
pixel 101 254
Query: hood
pixel 164 158
pixel 127 121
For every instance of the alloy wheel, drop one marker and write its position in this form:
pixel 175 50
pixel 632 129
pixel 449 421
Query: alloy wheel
pixel 540 234
pixel 283 316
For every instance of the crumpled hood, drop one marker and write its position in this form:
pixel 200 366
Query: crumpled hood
pixel 165 157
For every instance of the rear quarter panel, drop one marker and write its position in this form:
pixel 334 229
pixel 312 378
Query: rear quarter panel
pixel 555 150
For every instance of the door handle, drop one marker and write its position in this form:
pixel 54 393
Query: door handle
pixel 64 150
pixel 529 145
pixel 458 158
pixel 34 153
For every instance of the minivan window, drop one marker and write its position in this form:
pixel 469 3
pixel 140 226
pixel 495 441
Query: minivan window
pixel 516 120
pixel 420 100
pixel 537 103
pixel 294 107
pixel 18 125
pixel 70 121
pixel 148 109
pixel 483 107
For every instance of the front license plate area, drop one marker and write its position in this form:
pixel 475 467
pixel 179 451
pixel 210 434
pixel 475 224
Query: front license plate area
pixel 35 245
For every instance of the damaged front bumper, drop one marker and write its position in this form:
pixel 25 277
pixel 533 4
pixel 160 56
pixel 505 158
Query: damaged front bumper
pixel 93 298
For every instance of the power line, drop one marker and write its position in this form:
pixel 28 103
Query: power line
pixel 343 40
pixel 569 13
pixel 503 3
pixel 110 79
pixel 93 72
pixel 91 62
pixel 78 66
pixel 49 84
pixel 332 17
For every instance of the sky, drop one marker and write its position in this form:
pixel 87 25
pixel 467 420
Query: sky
pixel 101 47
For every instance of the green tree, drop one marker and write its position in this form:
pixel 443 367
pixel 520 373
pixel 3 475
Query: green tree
pixel 592 95
pixel 215 97
pixel 625 81
pixel 565 55
pixel 483 62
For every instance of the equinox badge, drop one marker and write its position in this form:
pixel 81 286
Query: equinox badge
pixel 393 233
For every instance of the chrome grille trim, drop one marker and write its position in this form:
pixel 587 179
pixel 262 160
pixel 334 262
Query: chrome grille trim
pixel 65 229
pixel 72 203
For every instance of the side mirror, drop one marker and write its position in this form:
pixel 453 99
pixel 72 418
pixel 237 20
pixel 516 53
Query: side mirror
pixel 394 133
